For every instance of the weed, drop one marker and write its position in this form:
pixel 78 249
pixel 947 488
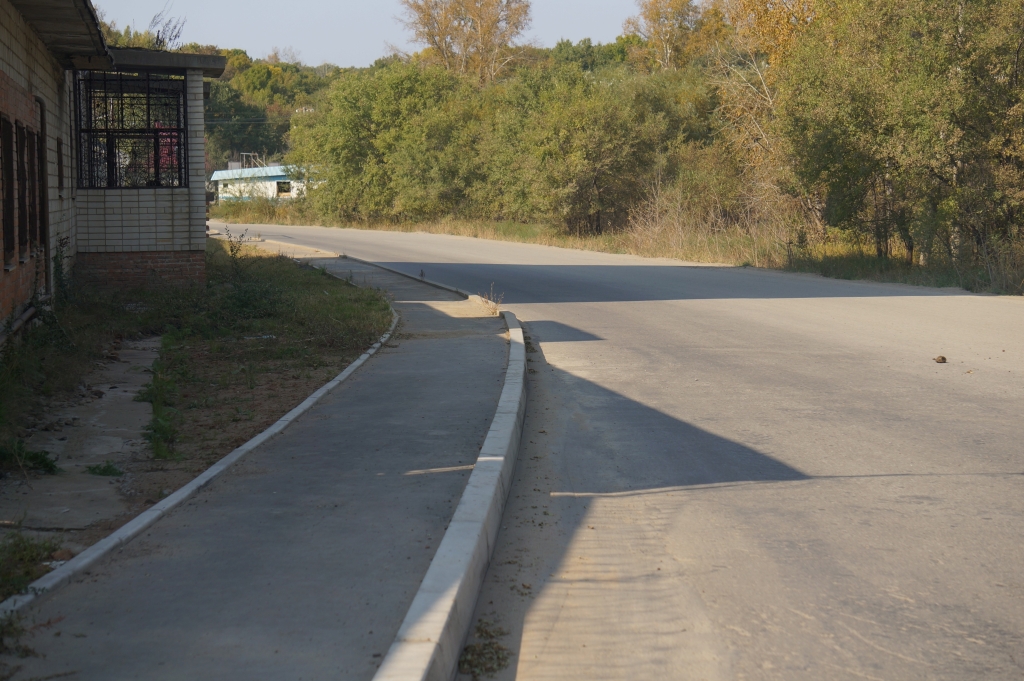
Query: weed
pixel 62 285
pixel 11 631
pixel 15 457
pixel 243 414
pixel 108 468
pixel 161 432
pixel 492 302
pixel 250 375
pixel 21 562
pixel 488 656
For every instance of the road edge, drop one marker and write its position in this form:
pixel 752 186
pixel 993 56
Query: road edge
pixel 429 642
pixel 428 282
pixel 436 284
pixel 61 575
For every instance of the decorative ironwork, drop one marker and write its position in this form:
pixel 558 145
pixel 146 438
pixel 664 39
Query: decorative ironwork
pixel 131 129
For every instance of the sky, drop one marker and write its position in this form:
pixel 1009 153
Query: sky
pixel 346 32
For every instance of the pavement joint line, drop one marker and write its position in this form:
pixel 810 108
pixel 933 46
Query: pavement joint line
pixel 53 580
pixel 429 642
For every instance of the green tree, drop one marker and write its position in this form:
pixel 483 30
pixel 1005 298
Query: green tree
pixel 234 125
pixel 905 118
pixel 361 144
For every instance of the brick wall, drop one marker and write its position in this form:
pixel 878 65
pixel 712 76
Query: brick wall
pixel 17 285
pixel 28 71
pixel 135 268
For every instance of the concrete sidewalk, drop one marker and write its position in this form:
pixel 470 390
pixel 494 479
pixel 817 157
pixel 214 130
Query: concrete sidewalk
pixel 300 562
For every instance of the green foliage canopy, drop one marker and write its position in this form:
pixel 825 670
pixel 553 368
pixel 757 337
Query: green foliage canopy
pixel 553 141
pixel 905 118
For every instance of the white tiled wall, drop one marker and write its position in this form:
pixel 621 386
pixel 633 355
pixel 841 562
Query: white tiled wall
pixel 161 219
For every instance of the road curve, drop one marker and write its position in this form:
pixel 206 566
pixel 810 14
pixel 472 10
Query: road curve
pixel 741 474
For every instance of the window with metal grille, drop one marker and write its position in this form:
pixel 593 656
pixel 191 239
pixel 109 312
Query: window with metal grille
pixel 131 129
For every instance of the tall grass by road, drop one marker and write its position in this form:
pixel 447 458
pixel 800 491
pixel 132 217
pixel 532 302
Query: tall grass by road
pixel 665 227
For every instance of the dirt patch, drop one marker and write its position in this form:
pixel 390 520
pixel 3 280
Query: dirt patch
pixel 227 397
pixel 486 656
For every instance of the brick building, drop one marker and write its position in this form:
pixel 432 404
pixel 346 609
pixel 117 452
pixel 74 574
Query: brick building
pixel 101 154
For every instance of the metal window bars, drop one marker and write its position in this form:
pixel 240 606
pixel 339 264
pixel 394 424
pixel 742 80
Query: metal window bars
pixel 131 129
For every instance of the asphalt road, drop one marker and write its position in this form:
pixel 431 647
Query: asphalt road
pixel 742 474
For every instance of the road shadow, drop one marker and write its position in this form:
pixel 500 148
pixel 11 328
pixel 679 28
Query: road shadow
pixel 516 284
pixel 605 483
pixel 626 449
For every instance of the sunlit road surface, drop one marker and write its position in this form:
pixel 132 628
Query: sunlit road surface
pixel 739 474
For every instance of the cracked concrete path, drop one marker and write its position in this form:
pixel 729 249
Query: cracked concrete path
pixel 300 561
pixel 90 427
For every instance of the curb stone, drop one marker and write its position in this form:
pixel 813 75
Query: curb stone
pixel 458 291
pixel 61 575
pixel 428 282
pixel 430 640
pixel 436 284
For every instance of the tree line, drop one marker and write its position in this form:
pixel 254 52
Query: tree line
pixel 478 126
pixel 886 132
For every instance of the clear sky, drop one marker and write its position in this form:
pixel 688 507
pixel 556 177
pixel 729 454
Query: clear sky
pixel 346 32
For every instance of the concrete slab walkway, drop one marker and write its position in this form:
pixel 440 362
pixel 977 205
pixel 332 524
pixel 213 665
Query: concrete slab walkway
pixel 301 561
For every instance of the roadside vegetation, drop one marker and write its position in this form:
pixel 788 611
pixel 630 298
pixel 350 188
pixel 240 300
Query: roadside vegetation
pixel 259 319
pixel 878 139
pixel 236 354
pixel 254 342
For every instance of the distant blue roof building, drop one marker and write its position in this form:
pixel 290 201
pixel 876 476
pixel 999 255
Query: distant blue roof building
pixel 271 182
pixel 267 173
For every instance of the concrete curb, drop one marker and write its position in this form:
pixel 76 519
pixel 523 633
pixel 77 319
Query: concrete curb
pixel 436 284
pixel 430 639
pixel 428 282
pixel 141 522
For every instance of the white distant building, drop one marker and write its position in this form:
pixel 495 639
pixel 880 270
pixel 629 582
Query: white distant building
pixel 269 182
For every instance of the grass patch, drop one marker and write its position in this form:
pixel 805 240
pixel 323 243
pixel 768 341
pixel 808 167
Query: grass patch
pixel 237 352
pixel 838 256
pixel 21 562
pixel 107 468
pixel 254 342
pixel 15 457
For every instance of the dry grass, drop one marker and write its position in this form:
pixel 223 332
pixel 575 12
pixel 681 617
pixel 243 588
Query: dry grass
pixel 698 225
pixel 257 340
pixel 487 656
pixel 237 354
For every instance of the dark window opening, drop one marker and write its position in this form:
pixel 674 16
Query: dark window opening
pixel 23 195
pixel 60 163
pixel 284 188
pixel 32 188
pixel 7 163
pixel 131 130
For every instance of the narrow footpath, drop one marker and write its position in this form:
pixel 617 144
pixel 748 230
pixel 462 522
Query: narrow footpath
pixel 300 561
